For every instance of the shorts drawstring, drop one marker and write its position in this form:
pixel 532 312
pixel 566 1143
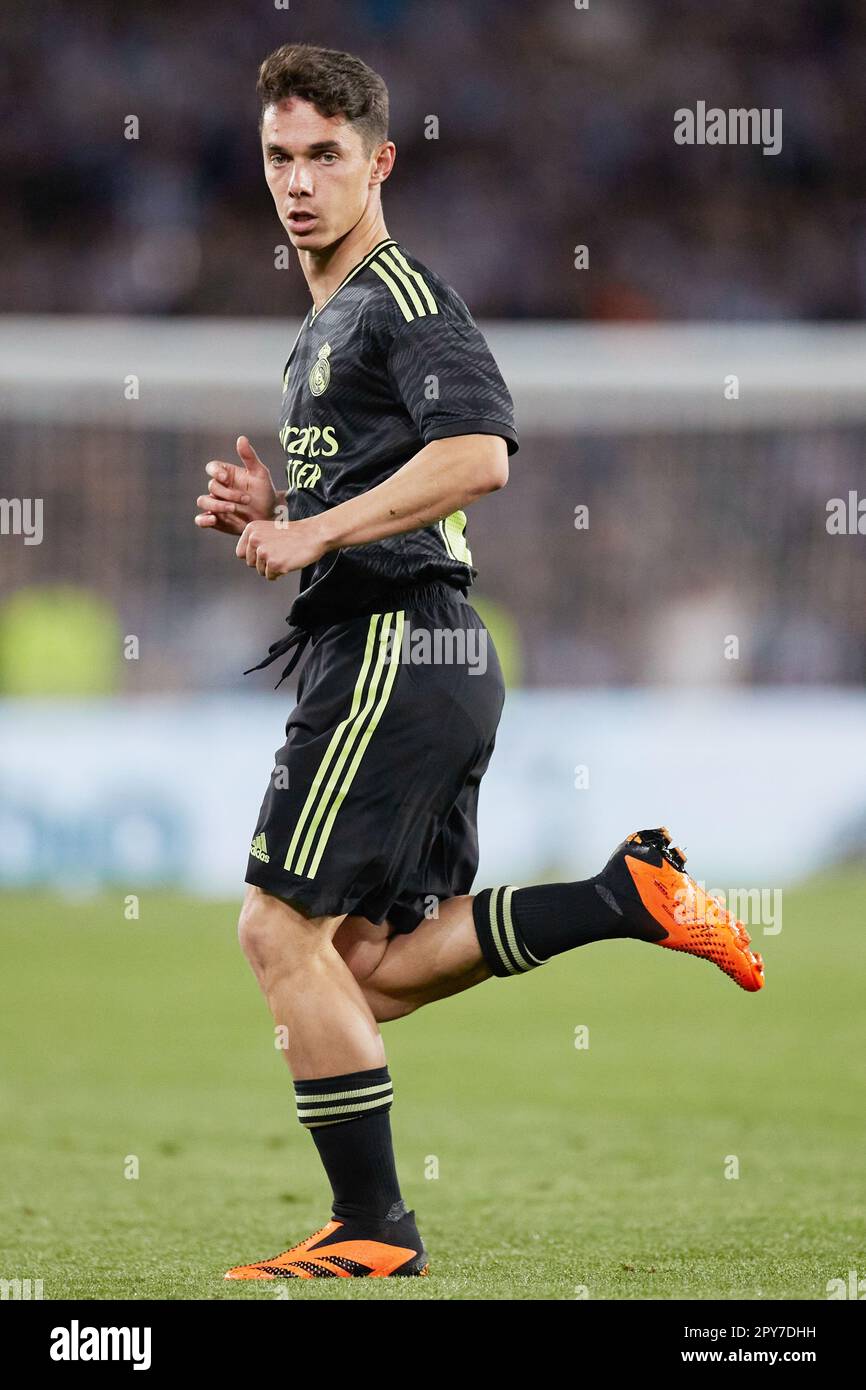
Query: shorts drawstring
pixel 296 637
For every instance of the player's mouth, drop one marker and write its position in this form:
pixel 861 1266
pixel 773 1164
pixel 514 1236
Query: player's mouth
pixel 301 221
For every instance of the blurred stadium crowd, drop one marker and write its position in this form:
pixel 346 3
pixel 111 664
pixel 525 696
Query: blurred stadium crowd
pixel 556 129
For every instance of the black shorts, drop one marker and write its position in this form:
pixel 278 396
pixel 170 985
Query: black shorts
pixel 372 804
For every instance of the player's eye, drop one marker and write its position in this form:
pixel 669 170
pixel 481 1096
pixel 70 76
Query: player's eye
pixel 329 155
pixel 277 158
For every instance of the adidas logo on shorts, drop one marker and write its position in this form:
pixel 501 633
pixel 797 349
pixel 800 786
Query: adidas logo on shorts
pixel 259 849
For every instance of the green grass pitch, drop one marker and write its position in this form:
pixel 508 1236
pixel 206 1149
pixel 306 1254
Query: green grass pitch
pixel 538 1170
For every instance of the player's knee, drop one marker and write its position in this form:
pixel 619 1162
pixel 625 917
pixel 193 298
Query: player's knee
pixel 272 933
pixel 254 932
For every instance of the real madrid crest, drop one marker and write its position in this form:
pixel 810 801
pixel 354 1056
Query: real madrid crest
pixel 320 372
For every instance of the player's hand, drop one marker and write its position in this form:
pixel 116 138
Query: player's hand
pixel 237 495
pixel 275 549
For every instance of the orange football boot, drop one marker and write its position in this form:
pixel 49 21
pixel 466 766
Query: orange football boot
pixel 352 1248
pixel 646 877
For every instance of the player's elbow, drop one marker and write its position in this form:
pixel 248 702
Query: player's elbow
pixel 494 466
pixel 497 475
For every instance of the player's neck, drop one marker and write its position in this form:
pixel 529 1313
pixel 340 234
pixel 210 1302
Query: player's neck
pixel 324 271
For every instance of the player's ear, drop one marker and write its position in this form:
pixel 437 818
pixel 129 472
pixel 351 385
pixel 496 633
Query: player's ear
pixel 383 162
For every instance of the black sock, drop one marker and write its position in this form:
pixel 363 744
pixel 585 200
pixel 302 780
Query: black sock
pixel 520 928
pixel 351 1128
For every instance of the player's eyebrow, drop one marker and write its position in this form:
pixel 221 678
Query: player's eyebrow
pixel 317 148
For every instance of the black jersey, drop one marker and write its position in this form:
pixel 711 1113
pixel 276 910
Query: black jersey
pixel 392 360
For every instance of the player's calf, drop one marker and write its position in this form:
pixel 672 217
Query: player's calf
pixel 371 1233
pixel 643 892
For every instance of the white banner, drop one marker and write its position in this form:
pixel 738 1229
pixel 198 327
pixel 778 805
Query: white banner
pixel 759 787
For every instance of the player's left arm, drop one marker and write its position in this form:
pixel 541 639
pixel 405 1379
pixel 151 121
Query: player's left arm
pixel 446 476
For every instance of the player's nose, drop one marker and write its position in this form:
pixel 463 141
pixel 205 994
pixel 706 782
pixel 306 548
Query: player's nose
pixel 300 179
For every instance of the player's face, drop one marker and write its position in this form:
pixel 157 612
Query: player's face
pixel 318 171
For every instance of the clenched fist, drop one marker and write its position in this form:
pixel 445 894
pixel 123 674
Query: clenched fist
pixel 275 549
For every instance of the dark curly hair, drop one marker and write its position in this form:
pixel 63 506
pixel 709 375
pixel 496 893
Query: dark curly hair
pixel 337 84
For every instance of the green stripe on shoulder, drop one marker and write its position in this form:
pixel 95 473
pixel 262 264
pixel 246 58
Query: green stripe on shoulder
pixel 387 279
pixel 423 288
pixel 408 286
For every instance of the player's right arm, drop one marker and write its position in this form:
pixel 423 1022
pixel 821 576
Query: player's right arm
pixel 238 494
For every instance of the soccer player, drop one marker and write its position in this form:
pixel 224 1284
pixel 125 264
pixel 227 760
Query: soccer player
pixel 358 907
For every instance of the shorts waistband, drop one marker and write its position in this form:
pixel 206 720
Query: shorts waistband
pixel 398 596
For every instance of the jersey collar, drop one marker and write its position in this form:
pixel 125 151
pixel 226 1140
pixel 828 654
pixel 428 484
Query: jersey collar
pixel 388 241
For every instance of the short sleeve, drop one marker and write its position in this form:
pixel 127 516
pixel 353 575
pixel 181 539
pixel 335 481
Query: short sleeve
pixel 447 378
